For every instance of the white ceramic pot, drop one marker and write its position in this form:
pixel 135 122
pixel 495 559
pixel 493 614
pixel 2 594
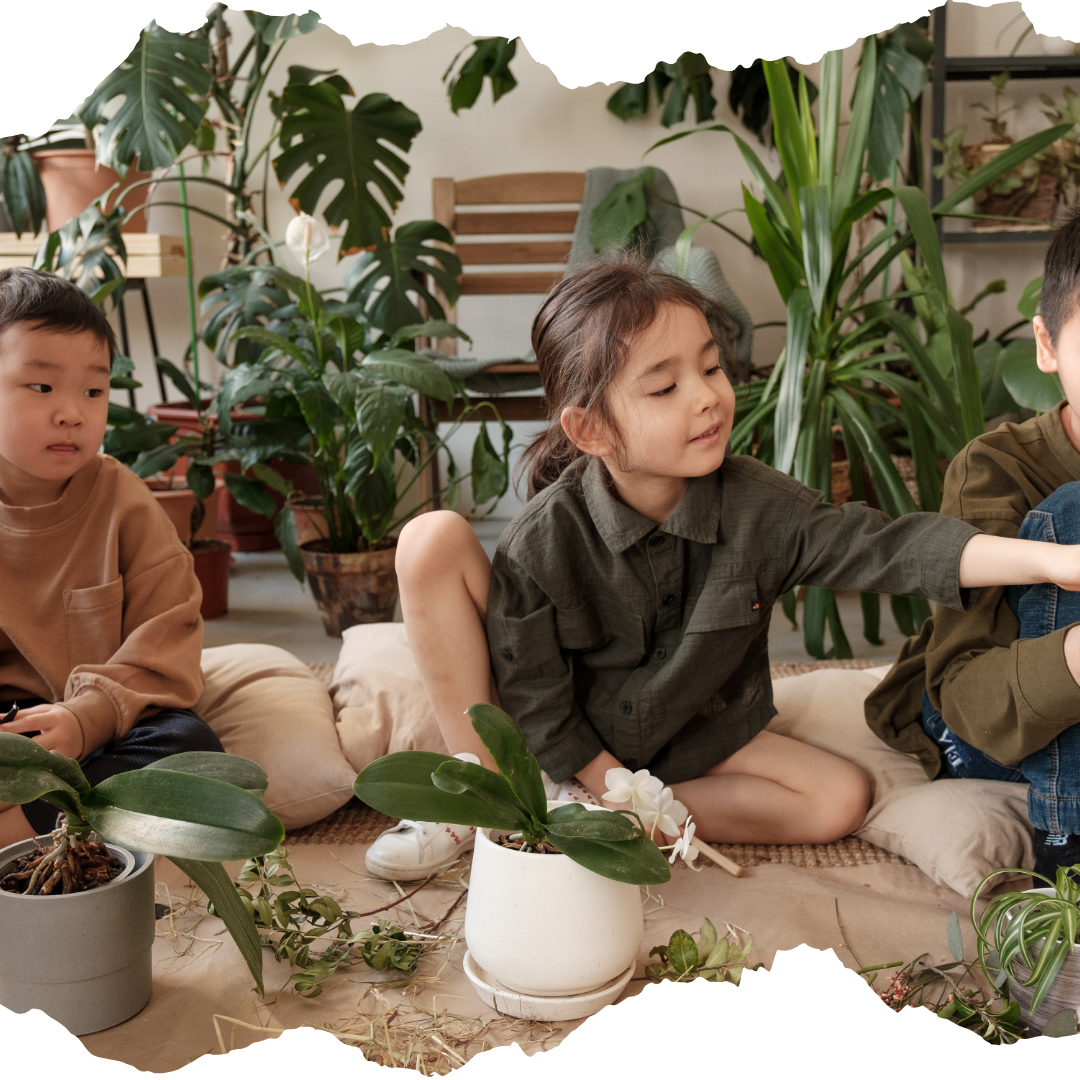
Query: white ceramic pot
pixel 84 958
pixel 545 926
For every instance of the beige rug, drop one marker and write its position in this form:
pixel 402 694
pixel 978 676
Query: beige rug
pixel 356 823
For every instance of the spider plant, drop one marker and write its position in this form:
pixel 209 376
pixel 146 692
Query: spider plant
pixel 1029 929
pixel 853 361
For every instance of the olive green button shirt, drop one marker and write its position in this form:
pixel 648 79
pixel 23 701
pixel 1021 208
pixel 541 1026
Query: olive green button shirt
pixel 608 631
pixel 1006 695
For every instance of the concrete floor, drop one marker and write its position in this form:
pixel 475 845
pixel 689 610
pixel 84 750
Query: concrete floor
pixel 267 604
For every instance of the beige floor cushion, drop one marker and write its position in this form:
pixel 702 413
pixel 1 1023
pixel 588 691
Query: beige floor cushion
pixel 265 704
pixel 379 701
pixel 956 831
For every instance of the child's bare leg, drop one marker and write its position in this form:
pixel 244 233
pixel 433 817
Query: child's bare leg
pixel 444 574
pixel 776 790
pixel 13 825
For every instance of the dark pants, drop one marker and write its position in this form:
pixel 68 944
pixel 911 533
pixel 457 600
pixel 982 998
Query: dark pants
pixel 171 731
pixel 1054 771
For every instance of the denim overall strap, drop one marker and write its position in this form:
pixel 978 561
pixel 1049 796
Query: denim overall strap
pixel 1054 771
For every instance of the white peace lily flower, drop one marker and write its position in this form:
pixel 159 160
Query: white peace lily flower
pixel 307 238
pixel 666 815
pixel 683 847
pixel 641 788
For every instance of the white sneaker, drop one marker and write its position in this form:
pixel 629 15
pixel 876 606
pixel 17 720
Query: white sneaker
pixel 411 850
pixel 571 790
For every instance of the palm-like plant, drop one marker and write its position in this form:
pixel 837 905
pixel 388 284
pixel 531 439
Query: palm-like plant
pixel 849 353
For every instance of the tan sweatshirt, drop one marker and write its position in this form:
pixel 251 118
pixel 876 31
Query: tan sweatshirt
pixel 99 604
pixel 1005 695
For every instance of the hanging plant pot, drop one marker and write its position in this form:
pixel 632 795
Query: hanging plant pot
pixel 83 958
pixel 72 180
pixel 544 926
pixel 354 587
pixel 212 561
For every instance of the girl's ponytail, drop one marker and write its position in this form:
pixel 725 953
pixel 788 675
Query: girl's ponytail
pixel 581 335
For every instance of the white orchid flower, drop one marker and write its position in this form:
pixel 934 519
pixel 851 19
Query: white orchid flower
pixel 640 788
pixel 307 238
pixel 666 815
pixel 683 847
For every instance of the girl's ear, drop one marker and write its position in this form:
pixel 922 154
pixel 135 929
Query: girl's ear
pixel 585 433
pixel 1045 356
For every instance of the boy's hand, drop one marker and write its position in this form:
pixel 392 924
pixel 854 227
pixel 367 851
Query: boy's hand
pixel 59 728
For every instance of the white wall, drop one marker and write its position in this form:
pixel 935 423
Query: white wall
pixel 541 125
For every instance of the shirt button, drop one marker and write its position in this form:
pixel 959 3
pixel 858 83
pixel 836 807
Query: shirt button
pixel 630 763
pixel 668 600
pixel 507 655
pixel 626 708
pixel 660 653
pixel 656 541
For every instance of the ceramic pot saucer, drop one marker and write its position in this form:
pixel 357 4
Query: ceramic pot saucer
pixel 532 1007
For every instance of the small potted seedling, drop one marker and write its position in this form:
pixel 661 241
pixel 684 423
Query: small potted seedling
pixel 554 907
pixel 77 907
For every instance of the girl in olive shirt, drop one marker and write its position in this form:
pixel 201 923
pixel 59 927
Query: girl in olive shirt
pixel 625 619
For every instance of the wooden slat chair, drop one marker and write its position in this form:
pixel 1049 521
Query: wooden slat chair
pixel 504 238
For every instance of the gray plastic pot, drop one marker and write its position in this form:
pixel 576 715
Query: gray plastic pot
pixel 84 959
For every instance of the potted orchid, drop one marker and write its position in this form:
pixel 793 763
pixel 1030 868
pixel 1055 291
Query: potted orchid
pixel 564 875
pixel 77 907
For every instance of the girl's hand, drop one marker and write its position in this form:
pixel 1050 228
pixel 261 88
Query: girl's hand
pixel 999 560
pixel 58 728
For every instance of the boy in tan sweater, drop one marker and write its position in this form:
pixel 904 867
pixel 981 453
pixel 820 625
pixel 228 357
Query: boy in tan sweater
pixel 994 692
pixel 100 632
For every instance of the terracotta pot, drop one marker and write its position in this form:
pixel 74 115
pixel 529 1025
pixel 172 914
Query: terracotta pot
pixel 309 519
pixel 242 528
pixel 249 531
pixel 177 502
pixel 351 588
pixel 73 180
pixel 212 560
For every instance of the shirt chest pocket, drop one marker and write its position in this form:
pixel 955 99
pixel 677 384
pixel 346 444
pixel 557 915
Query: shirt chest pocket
pixel 725 605
pixel 95 620
pixel 611 635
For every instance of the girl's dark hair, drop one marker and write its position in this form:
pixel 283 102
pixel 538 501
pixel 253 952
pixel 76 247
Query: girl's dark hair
pixel 50 302
pixel 581 336
pixel 1061 276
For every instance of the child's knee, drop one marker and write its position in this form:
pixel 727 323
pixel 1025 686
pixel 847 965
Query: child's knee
pixel 432 542
pixel 842 805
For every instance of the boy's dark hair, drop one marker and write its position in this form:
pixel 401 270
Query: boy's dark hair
pixel 1061 276
pixel 50 302
pixel 581 336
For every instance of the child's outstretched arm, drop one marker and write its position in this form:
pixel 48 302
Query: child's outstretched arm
pixel 999 560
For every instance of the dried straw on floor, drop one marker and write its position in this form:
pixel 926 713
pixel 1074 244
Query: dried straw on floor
pixel 356 823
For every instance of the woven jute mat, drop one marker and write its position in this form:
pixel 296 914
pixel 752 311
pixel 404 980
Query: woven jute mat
pixel 356 823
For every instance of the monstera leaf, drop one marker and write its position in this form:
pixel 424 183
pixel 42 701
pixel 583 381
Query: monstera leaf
pixel 89 249
pixel 160 84
pixel 490 59
pixel 385 280
pixel 237 297
pixel 275 28
pixel 23 195
pixel 320 133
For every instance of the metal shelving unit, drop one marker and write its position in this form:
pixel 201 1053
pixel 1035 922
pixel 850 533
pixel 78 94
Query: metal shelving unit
pixel 948 69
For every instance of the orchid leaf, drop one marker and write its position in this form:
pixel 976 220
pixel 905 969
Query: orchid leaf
pixel 511 754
